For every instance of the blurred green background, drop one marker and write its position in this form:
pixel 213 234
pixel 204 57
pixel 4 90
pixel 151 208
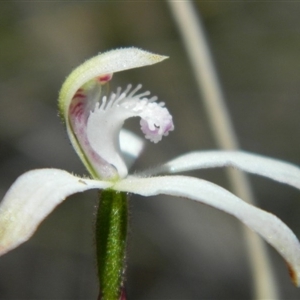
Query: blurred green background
pixel 177 249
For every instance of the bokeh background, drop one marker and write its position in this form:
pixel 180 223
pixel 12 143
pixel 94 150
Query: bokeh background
pixel 177 249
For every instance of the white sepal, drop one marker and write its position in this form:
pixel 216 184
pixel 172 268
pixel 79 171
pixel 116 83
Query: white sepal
pixel 273 230
pixel 32 198
pixel 272 168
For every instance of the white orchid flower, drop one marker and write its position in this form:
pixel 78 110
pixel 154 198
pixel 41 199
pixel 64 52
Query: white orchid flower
pixel 94 123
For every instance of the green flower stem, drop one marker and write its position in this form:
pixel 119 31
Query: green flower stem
pixel 111 233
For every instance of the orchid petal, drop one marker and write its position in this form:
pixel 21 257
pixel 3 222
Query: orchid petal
pixel 32 198
pixel 131 146
pixel 82 90
pixel 273 230
pixel 272 168
pixel 105 63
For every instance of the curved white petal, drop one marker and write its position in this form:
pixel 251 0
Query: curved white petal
pixel 104 63
pixel 80 93
pixel 131 146
pixel 31 198
pixel 272 168
pixel 267 225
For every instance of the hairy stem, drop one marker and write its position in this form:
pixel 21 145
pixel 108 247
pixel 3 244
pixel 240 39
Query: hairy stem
pixel 111 233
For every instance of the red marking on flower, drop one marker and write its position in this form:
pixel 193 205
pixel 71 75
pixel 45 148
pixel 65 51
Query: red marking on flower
pixel 79 94
pixel 293 274
pixel 104 78
pixel 76 110
pixel 123 294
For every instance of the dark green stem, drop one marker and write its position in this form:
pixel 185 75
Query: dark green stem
pixel 111 233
